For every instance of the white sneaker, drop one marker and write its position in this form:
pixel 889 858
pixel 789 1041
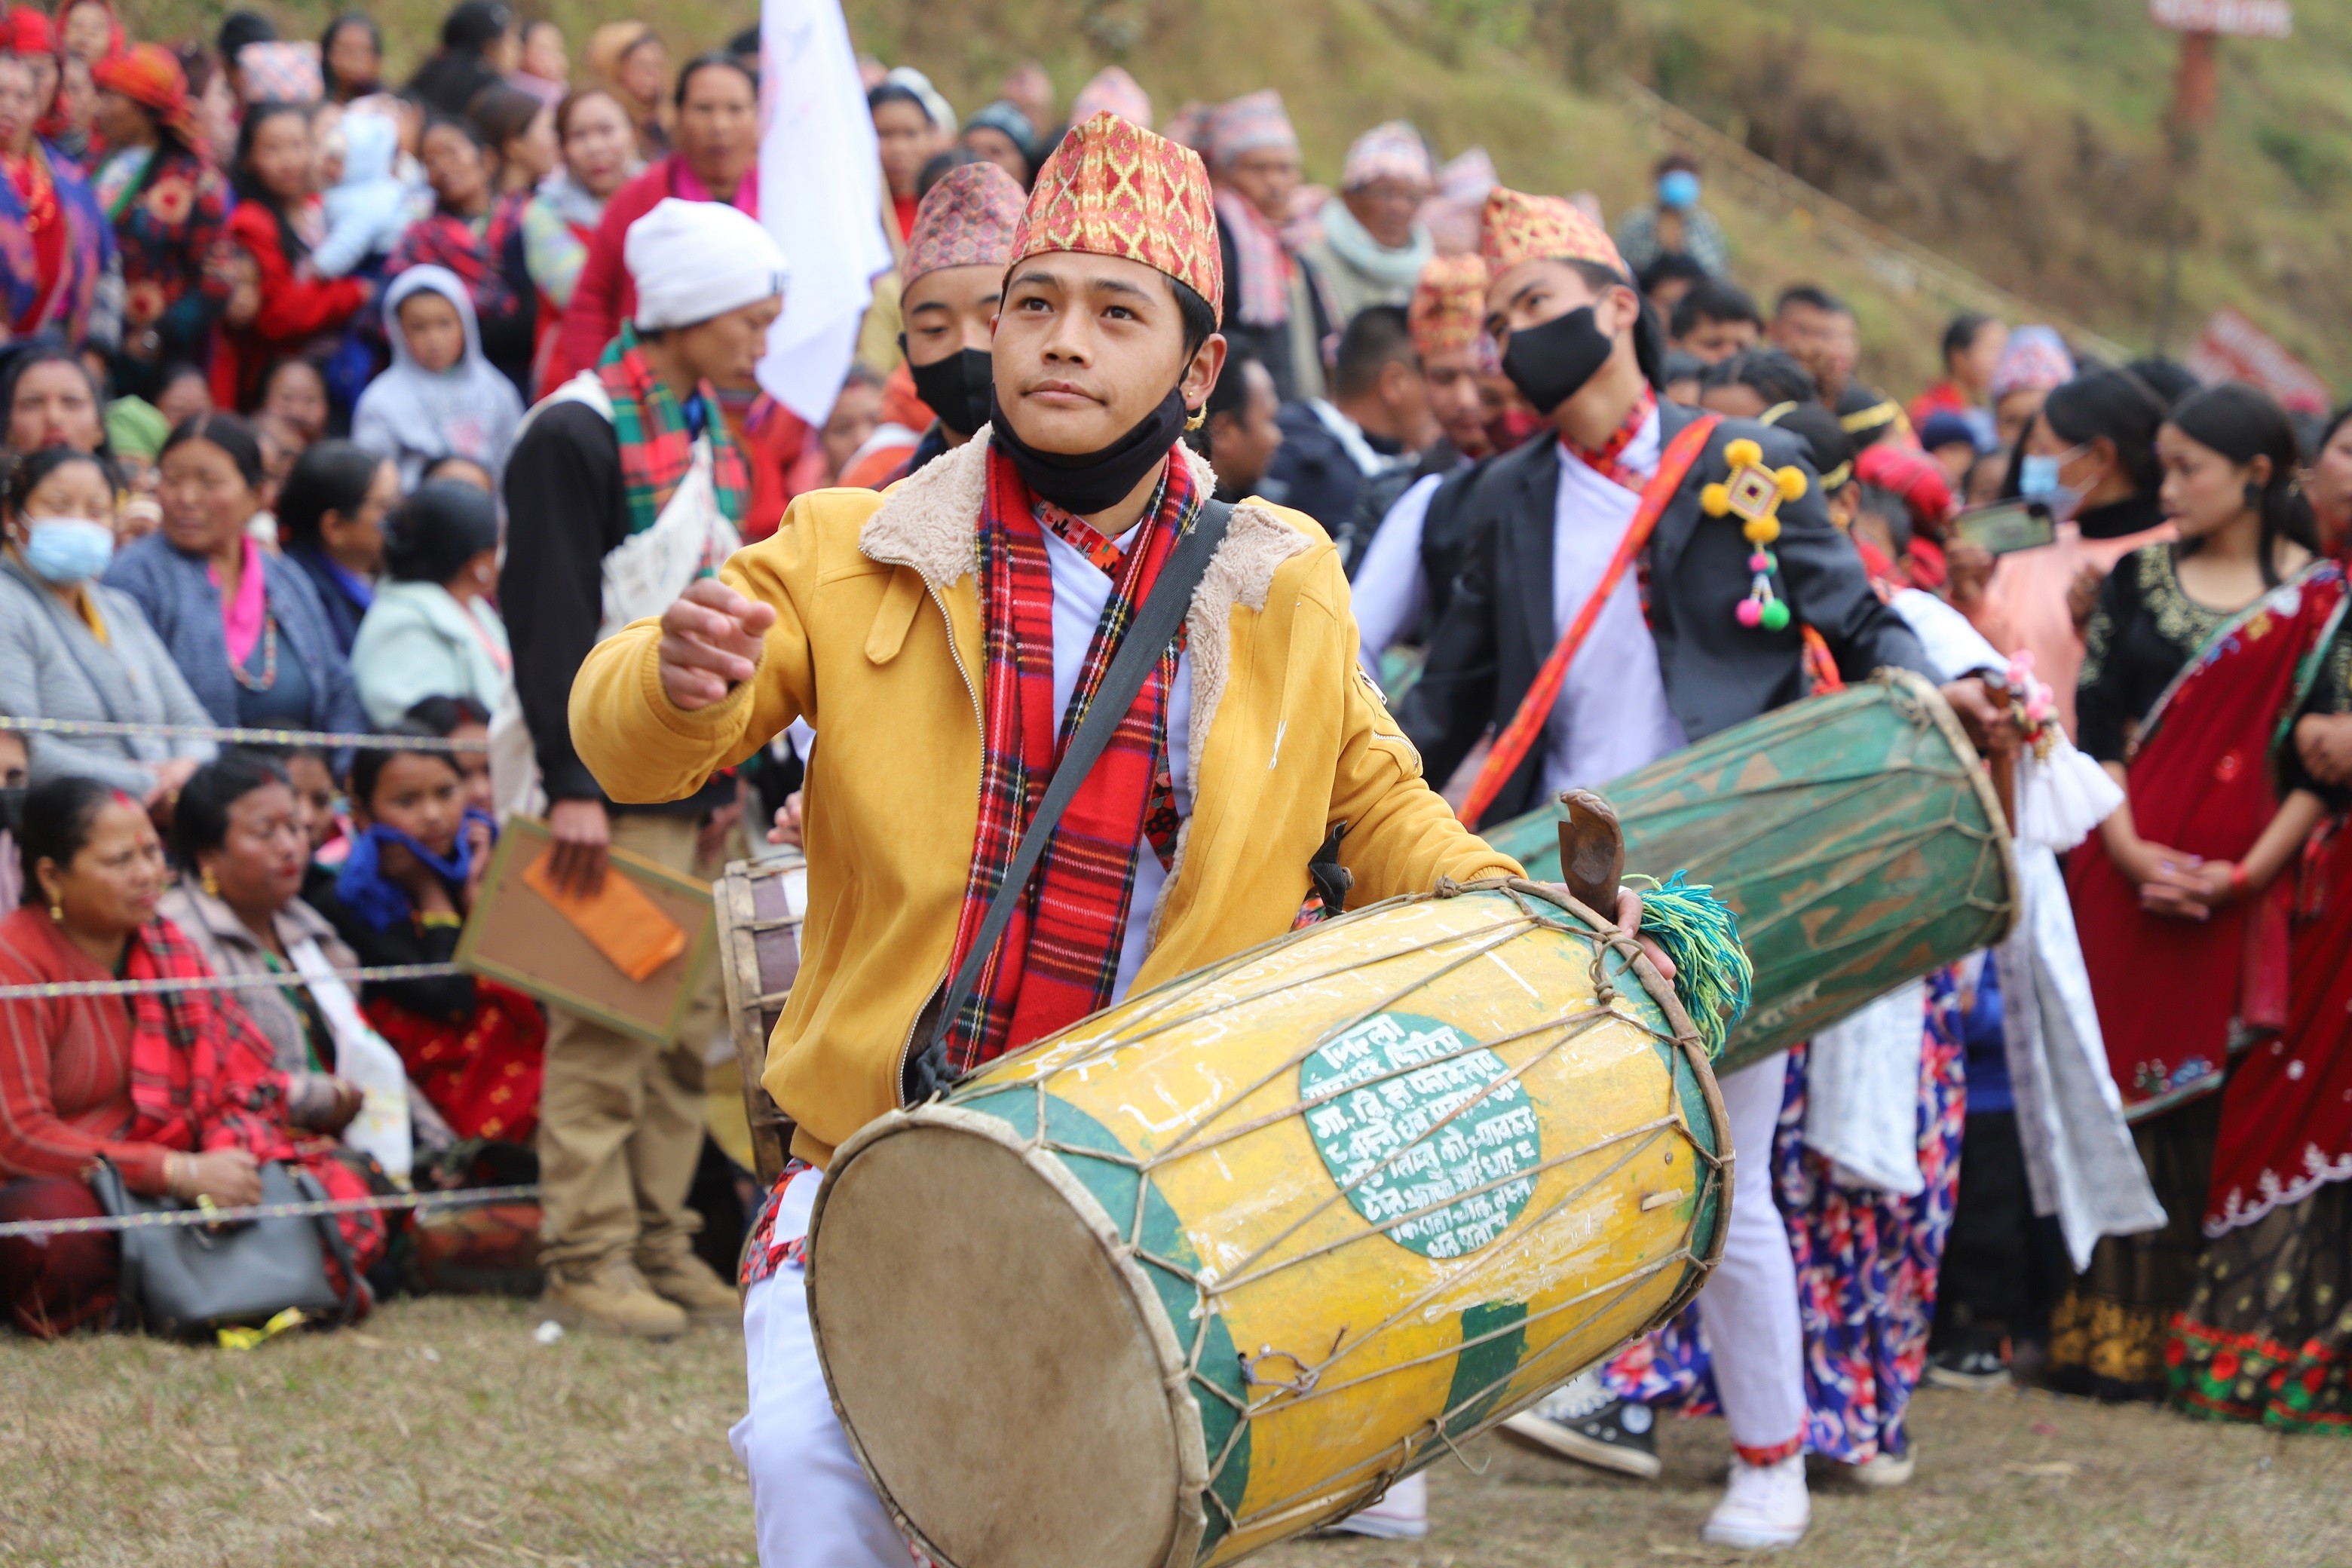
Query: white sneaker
pixel 1765 1508
pixel 1882 1470
pixel 1402 1515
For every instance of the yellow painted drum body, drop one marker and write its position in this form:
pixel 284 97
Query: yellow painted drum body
pixel 1219 1264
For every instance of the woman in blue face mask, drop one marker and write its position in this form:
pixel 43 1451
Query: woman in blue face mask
pixel 1674 224
pixel 71 648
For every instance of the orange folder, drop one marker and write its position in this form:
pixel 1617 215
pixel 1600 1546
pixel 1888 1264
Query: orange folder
pixel 618 921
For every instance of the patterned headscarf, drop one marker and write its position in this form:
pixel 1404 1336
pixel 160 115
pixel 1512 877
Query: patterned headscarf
pixel 1113 188
pixel 1391 152
pixel 1448 312
pixel 2035 361
pixel 1112 92
pixel 1517 228
pixel 150 75
pixel 277 72
pixel 1248 123
pixel 965 220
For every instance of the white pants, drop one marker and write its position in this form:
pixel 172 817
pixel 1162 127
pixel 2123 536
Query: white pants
pixel 812 1506
pixel 1749 1307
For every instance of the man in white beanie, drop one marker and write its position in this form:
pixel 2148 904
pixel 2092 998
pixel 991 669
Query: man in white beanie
pixel 623 488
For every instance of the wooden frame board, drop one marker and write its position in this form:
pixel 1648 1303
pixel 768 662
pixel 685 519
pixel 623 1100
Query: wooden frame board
pixel 516 937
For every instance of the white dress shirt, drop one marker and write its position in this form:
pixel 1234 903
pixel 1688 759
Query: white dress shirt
pixel 1611 715
pixel 1388 592
pixel 1081 589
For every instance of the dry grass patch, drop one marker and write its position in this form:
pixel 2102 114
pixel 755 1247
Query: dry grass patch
pixel 443 1434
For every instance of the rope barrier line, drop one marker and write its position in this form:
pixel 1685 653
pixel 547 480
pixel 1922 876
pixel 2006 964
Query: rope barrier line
pixel 52 989
pixel 324 739
pixel 471 1197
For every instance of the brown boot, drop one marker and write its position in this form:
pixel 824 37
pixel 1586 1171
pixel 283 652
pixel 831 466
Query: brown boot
pixel 610 1298
pixel 681 1277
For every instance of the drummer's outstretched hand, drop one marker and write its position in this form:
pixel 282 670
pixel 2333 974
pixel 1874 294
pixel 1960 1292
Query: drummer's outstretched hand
pixel 710 640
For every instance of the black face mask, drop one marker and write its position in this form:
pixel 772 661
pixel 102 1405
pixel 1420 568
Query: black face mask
pixel 12 806
pixel 1550 363
pixel 959 388
pixel 1085 483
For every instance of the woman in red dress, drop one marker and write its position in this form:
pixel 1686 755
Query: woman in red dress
pixel 2198 653
pixel 277 307
pixel 176 1089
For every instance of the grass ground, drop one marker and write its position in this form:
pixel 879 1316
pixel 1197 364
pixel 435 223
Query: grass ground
pixel 442 1434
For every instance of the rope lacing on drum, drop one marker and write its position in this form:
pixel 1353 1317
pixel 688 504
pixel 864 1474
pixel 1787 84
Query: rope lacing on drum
pixel 1209 1285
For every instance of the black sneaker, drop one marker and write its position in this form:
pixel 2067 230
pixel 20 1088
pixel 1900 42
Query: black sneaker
pixel 1977 1367
pixel 1580 1421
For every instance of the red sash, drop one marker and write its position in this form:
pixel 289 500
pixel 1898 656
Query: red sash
pixel 1510 748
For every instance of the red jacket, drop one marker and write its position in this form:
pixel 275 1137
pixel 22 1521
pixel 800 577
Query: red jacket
pixel 294 308
pixel 605 296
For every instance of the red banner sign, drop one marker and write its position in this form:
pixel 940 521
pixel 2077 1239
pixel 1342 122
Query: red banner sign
pixel 2237 18
pixel 2232 348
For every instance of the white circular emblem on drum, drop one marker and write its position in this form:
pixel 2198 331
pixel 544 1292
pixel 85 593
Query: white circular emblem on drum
pixel 1435 1142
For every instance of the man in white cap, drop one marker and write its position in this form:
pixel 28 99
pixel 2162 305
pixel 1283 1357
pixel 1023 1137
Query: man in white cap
pixel 622 489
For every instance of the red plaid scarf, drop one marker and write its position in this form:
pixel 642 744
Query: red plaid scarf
pixel 201 1075
pixel 1059 957
pixel 656 447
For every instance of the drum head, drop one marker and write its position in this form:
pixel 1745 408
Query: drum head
pixel 992 1363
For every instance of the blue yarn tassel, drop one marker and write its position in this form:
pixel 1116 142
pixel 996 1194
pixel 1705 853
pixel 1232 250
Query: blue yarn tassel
pixel 1712 975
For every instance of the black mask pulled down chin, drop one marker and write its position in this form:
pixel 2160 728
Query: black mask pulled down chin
pixel 959 388
pixel 1084 483
pixel 1550 363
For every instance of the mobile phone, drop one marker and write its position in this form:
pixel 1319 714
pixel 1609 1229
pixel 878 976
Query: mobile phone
pixel 2005 527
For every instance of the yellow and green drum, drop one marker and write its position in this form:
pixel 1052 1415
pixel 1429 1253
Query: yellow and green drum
pixel 1220 1264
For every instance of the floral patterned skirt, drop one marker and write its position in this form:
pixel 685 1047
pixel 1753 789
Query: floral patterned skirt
pixel 1866 1266
pixel 2267 1335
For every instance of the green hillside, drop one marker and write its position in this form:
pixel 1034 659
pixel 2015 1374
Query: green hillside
pixel 2017 137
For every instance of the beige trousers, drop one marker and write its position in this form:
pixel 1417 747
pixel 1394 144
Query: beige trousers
pixel 620 1119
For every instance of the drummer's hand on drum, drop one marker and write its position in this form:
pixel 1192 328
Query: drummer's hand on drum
pixel 787 829
pixel 1629 918
pixel 1993 730
pixel 711 641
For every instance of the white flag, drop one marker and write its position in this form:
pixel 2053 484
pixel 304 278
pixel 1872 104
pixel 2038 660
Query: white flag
pixel 820 196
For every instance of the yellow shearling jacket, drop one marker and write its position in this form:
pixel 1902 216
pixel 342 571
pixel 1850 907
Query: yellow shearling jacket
pixel 877 643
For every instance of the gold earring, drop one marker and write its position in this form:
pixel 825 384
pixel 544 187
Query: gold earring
pixel 212 889
pixel 57 913
pixel 1198 418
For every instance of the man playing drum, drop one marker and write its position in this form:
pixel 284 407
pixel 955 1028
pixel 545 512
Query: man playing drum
pixel 936 637
pixel 1707 604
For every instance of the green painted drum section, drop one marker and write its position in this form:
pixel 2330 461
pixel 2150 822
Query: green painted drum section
pixel 1855 836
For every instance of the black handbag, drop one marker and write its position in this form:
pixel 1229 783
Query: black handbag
pixel 185 1280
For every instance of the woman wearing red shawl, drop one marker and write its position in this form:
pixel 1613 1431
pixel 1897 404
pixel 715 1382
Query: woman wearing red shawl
pixel 55 245
pixel 88 30
pixel 2198 654
pixel 277 307
pixel 168 205
pixel 2266 1337
pixel 174 1090
pixel 467 232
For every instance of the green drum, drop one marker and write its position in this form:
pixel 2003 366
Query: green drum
pixel 1855 836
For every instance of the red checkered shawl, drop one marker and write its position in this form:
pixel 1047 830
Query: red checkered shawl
pixel 1059 957
pixel 201 1074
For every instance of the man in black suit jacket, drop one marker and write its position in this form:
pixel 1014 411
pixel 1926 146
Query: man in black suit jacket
pixel 1539 524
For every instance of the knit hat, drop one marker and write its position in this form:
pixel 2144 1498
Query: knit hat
pixel 1391 152
pixel 694 260
pixel 1008 119
pixel 1246 125
pixel 1517 227
pixel 966 220
pixel 1113 188
pixel 1112 92
pixel 1448 310
pixel 2035 361
pixel 134 426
